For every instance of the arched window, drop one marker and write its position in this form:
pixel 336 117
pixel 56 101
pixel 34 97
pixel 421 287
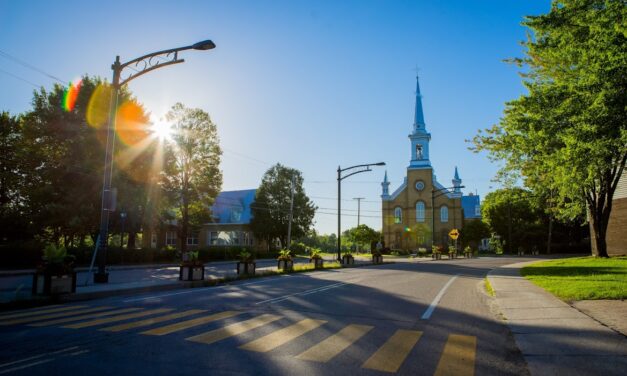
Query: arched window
pixel 420 211
pixel 444 214
pixel 398 215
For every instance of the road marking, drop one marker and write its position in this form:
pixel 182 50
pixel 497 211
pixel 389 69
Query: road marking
pixel 233 329
pixel 38 311
pixel 282 336
pixel 434 303
pixel 33 358
pixel 52 316
pixel 84 317
pixel 332 346
pixel 107 320
pixel 147 322
pixel 392 354
pixel 190 323
pixel 205 289
pixel 458 357
pixel 306 292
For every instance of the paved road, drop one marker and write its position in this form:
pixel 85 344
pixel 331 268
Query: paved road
pixel 370 320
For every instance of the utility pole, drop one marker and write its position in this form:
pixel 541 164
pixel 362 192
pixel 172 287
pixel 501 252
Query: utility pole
pixel 289 224
pixel 358 208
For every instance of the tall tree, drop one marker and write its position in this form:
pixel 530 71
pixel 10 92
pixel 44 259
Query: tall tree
pixel 192 178
pixel 572 124
pixel 271 207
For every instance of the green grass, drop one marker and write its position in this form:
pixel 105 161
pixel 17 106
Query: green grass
pixel 488 287
pixel 581 278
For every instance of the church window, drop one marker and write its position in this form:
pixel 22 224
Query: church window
pixel 444 214
pixel 420 211
pixel 418 151
pixel 398 215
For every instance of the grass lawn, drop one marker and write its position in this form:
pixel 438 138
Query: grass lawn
pixel 581 278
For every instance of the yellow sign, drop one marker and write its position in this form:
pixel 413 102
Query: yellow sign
pixel 454 234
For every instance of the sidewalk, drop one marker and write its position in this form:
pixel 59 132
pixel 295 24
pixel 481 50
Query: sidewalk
pixel 554 337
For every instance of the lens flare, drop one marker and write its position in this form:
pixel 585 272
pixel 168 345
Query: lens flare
pixel 132 123
pixel 70 95
pixel 98 106
pixel 162 131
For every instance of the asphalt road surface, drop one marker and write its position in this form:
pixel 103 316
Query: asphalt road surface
pixel 409 318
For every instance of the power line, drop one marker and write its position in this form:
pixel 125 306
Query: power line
pixel 27 65
pixel 19 78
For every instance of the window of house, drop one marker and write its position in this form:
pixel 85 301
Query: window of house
pixel 170 238
pixel 398 215
pixel 213 238
pixel 444 214
pixel 477 210
pixel 192 239
pixel 420 211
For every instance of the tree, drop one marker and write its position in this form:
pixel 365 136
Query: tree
pixel 191 178
pixel 473 231
pixel 363 234
pixel 271 207
pixel 568 135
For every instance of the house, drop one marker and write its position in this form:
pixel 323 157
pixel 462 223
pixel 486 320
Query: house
pixel 617 226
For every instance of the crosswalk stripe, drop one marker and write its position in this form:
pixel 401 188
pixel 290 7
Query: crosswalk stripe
pixel 190 323
pixel 127 316
pixel 392 354
pixel 151 321
pixel 332 346
pixel 458 357
pixel 52 316
pixel 233 329
pixel 37 311
pixel 85 317
pixel 282 336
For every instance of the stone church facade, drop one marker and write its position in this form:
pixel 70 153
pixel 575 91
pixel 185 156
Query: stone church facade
pixel 422 211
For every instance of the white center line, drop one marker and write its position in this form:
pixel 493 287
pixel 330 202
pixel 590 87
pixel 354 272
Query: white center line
pixel 25 366
pixel 306 292
pixel 434 303
pixel 39 356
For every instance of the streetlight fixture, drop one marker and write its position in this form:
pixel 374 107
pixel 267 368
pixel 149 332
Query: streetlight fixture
pixel 361 168
pixel 138 67
pixel 442 191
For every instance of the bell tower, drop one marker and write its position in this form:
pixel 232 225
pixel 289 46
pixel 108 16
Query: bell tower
pixel 419 138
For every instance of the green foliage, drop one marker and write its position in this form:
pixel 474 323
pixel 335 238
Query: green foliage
pixel 245 256
pixel 285 254
pixel 56 260
pixel 452 249
pixel 473 231
pixel 567 137
pixel 363 235
pixel 298 248
pixel 468 249
pixel 192 177
pixel 271 207
pixel 315 254
pixel 581 278
pixel 495 244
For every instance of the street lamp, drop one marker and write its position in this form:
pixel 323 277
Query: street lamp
pixel 442 191
pixel 362 168
pixel 138 67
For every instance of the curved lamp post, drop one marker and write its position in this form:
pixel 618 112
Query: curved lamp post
pixel 138 67
pixel 442 191
pixel 360 168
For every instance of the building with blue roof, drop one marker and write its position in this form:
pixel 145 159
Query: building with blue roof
pixel 421 212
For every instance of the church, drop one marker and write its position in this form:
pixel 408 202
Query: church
pixel 422 211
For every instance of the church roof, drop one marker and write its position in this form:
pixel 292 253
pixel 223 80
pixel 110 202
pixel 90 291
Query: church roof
pixel 419 118
pixel 472 206
pixel 233 207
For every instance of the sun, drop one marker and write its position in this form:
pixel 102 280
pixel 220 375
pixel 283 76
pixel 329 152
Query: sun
pixel 161 130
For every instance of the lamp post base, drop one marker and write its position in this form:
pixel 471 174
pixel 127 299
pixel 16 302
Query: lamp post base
pixel 101 277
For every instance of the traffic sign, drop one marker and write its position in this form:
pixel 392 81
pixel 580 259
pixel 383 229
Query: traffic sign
pixel 454 234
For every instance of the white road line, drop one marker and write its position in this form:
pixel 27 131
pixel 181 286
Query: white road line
pixel 39 356
pixel 202 289
pixel 26 366
pixel 434 303
pixel 306 292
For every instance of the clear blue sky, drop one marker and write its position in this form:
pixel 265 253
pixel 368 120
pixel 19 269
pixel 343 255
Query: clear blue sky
pixel 309 84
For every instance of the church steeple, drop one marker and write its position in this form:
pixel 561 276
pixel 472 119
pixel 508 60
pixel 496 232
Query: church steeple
pixel 420 137
pixel 457 182
pixel 419 118
pixel 385 186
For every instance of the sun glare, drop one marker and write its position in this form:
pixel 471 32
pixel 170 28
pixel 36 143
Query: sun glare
pixel 161 130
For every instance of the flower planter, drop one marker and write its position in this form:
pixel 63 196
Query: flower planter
pixel 377 259
pixel 348 260
pixel 468 254
pixel 286 265
pixel 246 267
pixel 54 284
pixel 436 255
pixel 452 255
pixel 318 263
pixel 191 273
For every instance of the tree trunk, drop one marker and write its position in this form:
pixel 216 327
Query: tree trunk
pixel 598 228
pixel 131 239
